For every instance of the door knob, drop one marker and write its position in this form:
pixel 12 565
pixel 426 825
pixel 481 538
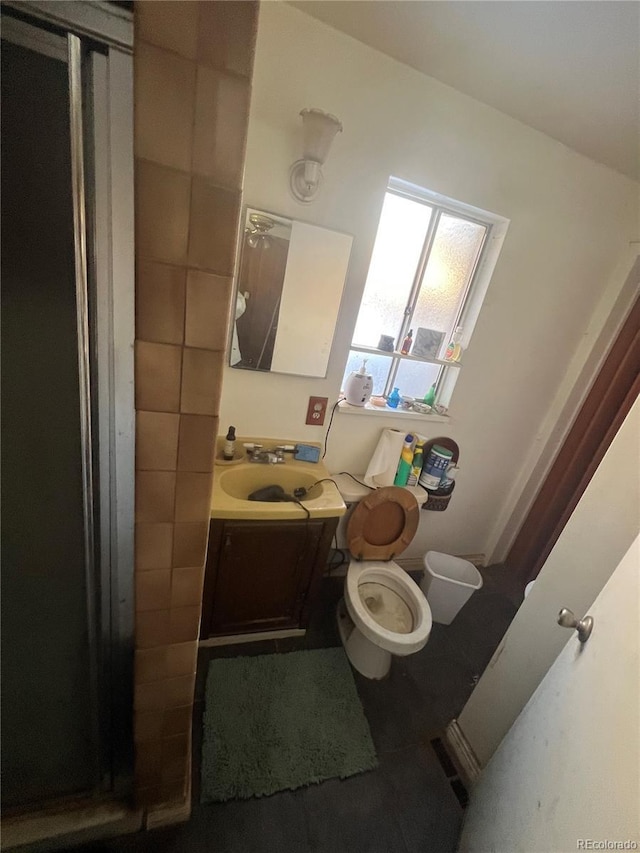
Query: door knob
pixel 584 626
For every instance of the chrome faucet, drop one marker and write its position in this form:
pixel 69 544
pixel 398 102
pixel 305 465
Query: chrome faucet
pixel 263 456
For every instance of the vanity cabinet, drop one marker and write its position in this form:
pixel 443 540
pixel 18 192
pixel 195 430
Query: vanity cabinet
pixel 263 575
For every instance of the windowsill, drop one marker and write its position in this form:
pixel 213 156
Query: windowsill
pixel 347 409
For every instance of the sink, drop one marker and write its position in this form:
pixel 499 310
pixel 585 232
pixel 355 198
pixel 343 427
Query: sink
pixel 232 485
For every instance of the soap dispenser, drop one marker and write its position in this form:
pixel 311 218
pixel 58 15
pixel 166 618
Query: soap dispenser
pixel 358 387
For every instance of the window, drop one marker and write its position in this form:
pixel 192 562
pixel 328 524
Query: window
pixel 429 269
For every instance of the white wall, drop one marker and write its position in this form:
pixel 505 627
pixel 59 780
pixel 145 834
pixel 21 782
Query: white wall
pixel 599 532
pixel 571 220
pixel 568 768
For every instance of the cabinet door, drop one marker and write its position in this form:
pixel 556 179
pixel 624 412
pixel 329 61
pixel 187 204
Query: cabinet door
pixel 262 576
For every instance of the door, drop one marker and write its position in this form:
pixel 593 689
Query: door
pixel 66 730
pixel 568 769
pixel 262 574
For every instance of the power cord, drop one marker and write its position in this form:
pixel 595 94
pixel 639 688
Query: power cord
pixel 333 411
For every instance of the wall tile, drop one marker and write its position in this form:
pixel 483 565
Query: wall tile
pixel 221 116
pixel 196 445
pixel 150 665
pixel 156 441
pixel 150 696
pixel 154 546
pixel 148 762
pixel 207 321
pixel 181 659
pixel 151 725
pixel 193 496
pixel 185 624
pixel 157 370
pixel 172 24
pixel 152 629
pixel 213 226
pixel 160 302
pixel 226 35
pixel 165 85
pixel 153 590
pixel 147 796
pixel 186 586
pixel 177 720
pixel 155 493
pixel 201 381
pixel 180 691
pixel 190 543
pixel 162 212
pixel 175 790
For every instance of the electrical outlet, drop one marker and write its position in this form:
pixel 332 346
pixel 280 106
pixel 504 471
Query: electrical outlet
pixel 316 410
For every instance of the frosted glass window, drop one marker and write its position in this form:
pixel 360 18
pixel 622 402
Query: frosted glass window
pixel 401 234
pixel 422 272
pixel 446 279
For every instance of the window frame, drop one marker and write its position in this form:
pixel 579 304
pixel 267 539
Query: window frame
pixel 475 290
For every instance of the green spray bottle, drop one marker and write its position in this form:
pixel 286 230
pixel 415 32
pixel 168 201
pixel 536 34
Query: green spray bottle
pixel 404 465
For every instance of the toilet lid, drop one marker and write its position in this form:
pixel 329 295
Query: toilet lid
pixel 383 524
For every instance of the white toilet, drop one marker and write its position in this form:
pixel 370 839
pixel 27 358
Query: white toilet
pixel 383 612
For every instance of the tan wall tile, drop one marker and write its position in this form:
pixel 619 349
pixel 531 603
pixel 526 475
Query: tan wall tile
pixel 156 441
pixel 147 796
pixel 151 725
pixel 190 543
pixel 155 493
pixel 226 35
pixel 185 624
pixel 148 765
pixel 221 118
pixel 180 691
pixel 201 381
pixel 150 665
pixel 153 590
pixel 152 629
pixel 154 546
pixel 193 496
pixel 186 586
pixel 157 371
pixel 160 302
pixel 165 86
pixel 207 319
pixel 196 445
pixel 181 659
pixel 150 696
pixel 162 212
pixel 171 23
pixel 177 720
pixel 176 790
pixel 213 226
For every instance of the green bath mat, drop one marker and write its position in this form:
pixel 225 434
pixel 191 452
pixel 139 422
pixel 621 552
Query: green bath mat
pixel 278 722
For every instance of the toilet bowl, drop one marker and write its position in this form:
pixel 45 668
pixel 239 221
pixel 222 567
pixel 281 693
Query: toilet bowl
pixel 383 613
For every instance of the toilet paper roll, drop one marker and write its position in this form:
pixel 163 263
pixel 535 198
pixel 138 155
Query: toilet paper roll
pixel 384 462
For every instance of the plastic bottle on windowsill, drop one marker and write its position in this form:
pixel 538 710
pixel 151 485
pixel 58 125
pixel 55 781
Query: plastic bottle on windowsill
pixel 454 350
pixel 430 396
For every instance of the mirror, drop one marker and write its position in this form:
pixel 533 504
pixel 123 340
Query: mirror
pixel 288 294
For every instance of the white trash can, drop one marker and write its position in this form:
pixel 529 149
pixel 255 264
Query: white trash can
pixel 448 584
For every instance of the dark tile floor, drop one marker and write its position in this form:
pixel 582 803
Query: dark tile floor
pixel 407 804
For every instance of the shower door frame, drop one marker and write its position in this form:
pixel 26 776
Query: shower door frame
pixel 100 67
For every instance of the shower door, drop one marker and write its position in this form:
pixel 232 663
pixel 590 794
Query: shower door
pixel 66 547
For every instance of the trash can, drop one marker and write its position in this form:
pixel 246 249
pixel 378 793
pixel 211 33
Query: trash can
pixel 448 584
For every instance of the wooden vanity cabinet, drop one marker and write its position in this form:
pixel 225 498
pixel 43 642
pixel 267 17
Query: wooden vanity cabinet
pixel 263 575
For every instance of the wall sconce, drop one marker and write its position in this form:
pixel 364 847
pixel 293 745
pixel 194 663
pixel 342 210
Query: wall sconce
pixel 306 175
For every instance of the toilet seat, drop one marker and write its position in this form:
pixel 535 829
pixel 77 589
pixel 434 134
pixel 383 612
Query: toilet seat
pixel 390 576
pixel 383 524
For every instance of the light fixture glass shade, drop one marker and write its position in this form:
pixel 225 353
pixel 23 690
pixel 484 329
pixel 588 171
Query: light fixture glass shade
pixel 319 130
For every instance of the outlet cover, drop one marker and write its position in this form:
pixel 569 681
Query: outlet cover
pixel 316 410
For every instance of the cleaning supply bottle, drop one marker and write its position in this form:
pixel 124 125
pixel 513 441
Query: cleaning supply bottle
pixel 416 464
pixel 394 398
pixel 406 344
pixel 404 465
pixel 454 350
pixel 430 396
pixel 229 444
pixel 358 387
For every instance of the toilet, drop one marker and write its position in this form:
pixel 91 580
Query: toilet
pixel 383 612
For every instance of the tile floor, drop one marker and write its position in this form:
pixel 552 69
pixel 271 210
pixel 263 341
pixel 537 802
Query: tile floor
pixel 407 804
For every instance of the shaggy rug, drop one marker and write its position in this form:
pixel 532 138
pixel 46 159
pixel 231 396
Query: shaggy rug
pixel 278 722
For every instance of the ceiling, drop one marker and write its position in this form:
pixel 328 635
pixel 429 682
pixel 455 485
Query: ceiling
pixel 569 68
